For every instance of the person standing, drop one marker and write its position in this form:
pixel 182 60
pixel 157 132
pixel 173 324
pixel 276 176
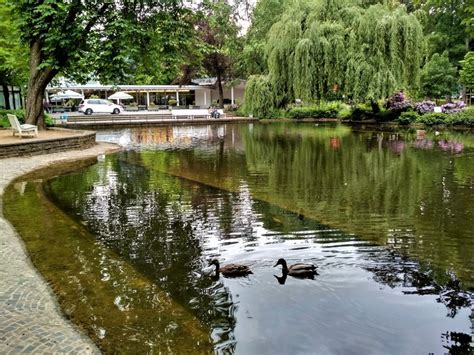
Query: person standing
pixel 46 106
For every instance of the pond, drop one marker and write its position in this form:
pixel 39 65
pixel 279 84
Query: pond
pixel 387 216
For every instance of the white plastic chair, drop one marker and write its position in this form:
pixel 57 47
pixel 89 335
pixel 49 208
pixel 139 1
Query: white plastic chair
pixel 21 128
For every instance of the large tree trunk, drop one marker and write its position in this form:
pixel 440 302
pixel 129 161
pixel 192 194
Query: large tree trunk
pixel 6 95
pixel 221 90
pixel 37 82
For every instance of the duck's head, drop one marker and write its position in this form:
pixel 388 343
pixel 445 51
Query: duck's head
pixel 214 262
pixel 281 262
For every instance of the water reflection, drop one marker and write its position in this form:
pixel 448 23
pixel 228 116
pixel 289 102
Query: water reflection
pixel 387 226
pixel 457 343
pixel 166 137
pixel 282 279
pixel 378 185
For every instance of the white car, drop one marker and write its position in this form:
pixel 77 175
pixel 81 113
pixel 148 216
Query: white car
pixel 91 106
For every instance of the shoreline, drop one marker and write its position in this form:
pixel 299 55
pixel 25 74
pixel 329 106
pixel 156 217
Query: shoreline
pixel 30 317
pixel 372 123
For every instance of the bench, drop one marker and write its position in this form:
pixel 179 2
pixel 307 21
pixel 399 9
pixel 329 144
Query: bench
pixel 21 128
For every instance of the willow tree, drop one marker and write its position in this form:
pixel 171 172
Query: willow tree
pixel 259 96
pixel 264 15
pixel 319 47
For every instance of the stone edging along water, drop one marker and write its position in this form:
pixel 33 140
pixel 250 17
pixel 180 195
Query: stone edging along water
pixel 80 140
pixel 30 318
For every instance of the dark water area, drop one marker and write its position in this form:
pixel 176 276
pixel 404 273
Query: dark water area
pixel 388 218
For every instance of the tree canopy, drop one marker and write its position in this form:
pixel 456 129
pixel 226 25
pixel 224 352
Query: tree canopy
pixel 447 27
pixel 319 48
pixel 467 71
pixel 438 77
pixel 218 31
pixel 82 37
pixel 362 50
pixel 13 55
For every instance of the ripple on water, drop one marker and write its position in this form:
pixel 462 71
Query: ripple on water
pixel 384 225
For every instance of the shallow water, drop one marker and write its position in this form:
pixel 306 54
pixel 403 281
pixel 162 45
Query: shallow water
pixel 386 216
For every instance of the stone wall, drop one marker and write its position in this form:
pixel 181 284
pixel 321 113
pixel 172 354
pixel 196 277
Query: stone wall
pixel 83 140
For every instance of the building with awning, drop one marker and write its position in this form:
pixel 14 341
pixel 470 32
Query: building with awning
pixel 201 92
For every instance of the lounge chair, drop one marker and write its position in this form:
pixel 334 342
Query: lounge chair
pixel 21 128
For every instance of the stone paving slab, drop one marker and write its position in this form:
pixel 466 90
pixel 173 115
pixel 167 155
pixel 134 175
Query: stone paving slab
pixel 30 318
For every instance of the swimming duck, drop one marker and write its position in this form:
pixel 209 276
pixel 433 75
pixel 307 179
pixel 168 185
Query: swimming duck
pixel 302 270
pixel 231 270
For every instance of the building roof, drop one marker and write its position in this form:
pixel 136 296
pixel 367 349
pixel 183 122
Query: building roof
pixel 198 84
pixel 96 86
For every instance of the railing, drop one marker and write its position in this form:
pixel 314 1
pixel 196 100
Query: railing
pixel 126 119
pixel 114 119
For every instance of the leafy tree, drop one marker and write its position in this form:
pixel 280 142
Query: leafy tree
pixel 218 29
pixel 447 27
pixel 467 72
pixel 265 14
pixel 438 77
pixel 259 96
pixel 171 52
pixel 469 20
pixel 322 47
pixel 82 37
pixel 13 56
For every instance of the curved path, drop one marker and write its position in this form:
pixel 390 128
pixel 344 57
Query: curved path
pixel 30 319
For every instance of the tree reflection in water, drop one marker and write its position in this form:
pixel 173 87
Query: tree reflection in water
pixel 165 226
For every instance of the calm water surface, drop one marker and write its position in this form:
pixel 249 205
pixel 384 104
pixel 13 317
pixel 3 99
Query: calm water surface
pixel 387 216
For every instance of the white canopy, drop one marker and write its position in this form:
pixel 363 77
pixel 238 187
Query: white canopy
pixel 68 94
pixel 120 95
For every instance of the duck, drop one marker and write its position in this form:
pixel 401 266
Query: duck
pixel 298 270
pixel 231 270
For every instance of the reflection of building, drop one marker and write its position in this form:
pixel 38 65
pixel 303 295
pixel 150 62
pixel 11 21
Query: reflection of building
pixel 166 137
pixel 156 135
pixel 202 93
pixel 207 132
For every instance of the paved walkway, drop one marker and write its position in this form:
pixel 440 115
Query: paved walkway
pixel 30 319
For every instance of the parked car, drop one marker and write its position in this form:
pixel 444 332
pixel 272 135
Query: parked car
pixel 91 106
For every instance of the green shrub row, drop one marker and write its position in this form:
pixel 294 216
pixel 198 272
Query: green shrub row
pixel 323 110
pixel 20 114
pixel 465 117
pixel 362 112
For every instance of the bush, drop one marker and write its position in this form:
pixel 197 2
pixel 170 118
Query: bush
pixel 407 117
pixel 453 107
pixel 48 120
pixel 465 117
pixel 387 116
pixel 278 113
pixel 430 119
pixel 19 113
pixel 323 110
pixel 4 123
pixel 345 112
pixel 398 102
pixel 362 112
pixel 424 107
